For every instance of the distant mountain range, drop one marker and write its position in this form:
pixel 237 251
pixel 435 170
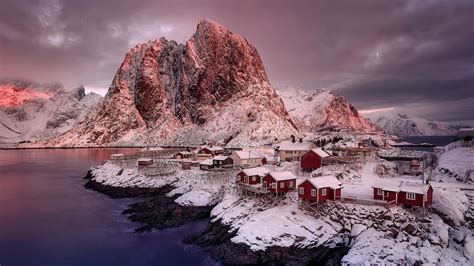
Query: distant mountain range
pixel 406 125
pixel 30 111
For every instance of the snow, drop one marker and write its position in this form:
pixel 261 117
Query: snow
pixel 244 155
pixel 195 198
pixel 207 162
pixel 260 171
pixel 294 146
pixel 456 162
pixel 320 152
pixel 220 158
pixel 283 175
pixel 325 181
pixel 452 203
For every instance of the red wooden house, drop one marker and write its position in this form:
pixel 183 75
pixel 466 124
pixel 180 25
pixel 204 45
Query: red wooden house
pixel 318 189
pixel 279 182
pixel 313 159
pixel 211 150
pixel 252 176
pixel 399 192
pixel 183 155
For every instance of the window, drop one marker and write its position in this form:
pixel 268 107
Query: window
pixel 282 184
pixel 379 191
pixel 411 196
pixel 313 192
pixel 386 193
pixel 274 185
pixel 323 192
pixel 292 184
pixel 254 178
pixel 301 190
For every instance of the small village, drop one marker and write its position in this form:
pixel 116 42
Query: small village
pixel 338 191
pixel 315 173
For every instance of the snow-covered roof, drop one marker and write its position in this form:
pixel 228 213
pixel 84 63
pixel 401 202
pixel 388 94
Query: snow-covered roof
pixel 248 154
pixel 206 162
pixel 117 155
pixel 320 152
pixel 398 186
pixel 213 148
pixel 145 160
pixel 467 129
pixel 260 171
pixel 326 181
pixel 220 158
pixel 283 175
pixel 294 146
pixel 184 152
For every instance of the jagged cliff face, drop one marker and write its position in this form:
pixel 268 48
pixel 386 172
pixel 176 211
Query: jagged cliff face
pixel 31 111
pixel 405 125
pixel 213 88
pixel 321 110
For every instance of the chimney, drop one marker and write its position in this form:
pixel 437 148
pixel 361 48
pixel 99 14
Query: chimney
pixel 301 140
pixel 210 145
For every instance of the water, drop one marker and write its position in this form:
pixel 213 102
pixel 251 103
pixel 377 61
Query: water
pixel 435 140
pixel 47 217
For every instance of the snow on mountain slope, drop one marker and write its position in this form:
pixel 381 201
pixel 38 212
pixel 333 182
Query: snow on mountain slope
pixel 319 110
pixel 213 88
pixel 31 111
pixel 405 125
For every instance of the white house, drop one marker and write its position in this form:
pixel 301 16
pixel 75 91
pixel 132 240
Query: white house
pixel 251 158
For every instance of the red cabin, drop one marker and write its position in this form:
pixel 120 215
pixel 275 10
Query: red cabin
pixel 279 182
pixel 183 155
pixel 252 176
pixel 212 150
pixel 313 159
pixel 399 192
pixel 319 189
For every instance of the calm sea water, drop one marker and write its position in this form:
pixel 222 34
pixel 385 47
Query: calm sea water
pixel 435 140
pixel 47 217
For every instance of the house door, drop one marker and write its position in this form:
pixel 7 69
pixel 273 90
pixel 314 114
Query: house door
pixel 265 184
pixel 246 179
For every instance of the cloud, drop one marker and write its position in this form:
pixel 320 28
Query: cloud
pixel 415 55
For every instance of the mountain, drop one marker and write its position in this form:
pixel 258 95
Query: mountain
pixel 213 88
pixel 321 110
pixel 405 125
pixel 31 111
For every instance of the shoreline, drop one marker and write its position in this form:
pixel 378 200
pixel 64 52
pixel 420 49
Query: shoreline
pixel 158 211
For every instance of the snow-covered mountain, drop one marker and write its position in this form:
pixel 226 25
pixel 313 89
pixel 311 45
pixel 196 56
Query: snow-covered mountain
pixel 30 111
pixel 405 125
pixel 213 88
pixel 321 110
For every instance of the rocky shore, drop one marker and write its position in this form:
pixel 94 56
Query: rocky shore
pixel 216 238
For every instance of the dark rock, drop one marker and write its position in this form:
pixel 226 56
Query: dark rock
pixel 409 228
pixel 216 238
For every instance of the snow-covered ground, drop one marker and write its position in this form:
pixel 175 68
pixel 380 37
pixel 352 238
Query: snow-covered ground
pixel 374 234
pixel 453 165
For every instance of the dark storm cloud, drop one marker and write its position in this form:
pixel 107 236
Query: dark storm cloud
pixel 415 56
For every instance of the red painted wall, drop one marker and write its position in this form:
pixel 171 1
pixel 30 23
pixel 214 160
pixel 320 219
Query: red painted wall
pixel 330 195
pixel 310 161
pixel 250 182
pixel 270 180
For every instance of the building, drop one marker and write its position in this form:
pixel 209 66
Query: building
pixel 211 150
pixel 292 151
pixel 279 182
pixel 251 158
pixel 183 155
pixel 144 162
pixel 399 192
pixel 319 189
pixel 206 164
pixel 313 159
pixel 117 156
pixel 252 176
pixel 221 160
pixel 151 151
pixel 408 162
pixel 186 165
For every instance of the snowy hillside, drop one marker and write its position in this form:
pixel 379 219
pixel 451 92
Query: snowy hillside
pixel 320 110
pixel 30 111
pixel 405 125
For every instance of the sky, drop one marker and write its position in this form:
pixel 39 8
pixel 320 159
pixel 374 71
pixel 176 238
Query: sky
pixel 391 56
